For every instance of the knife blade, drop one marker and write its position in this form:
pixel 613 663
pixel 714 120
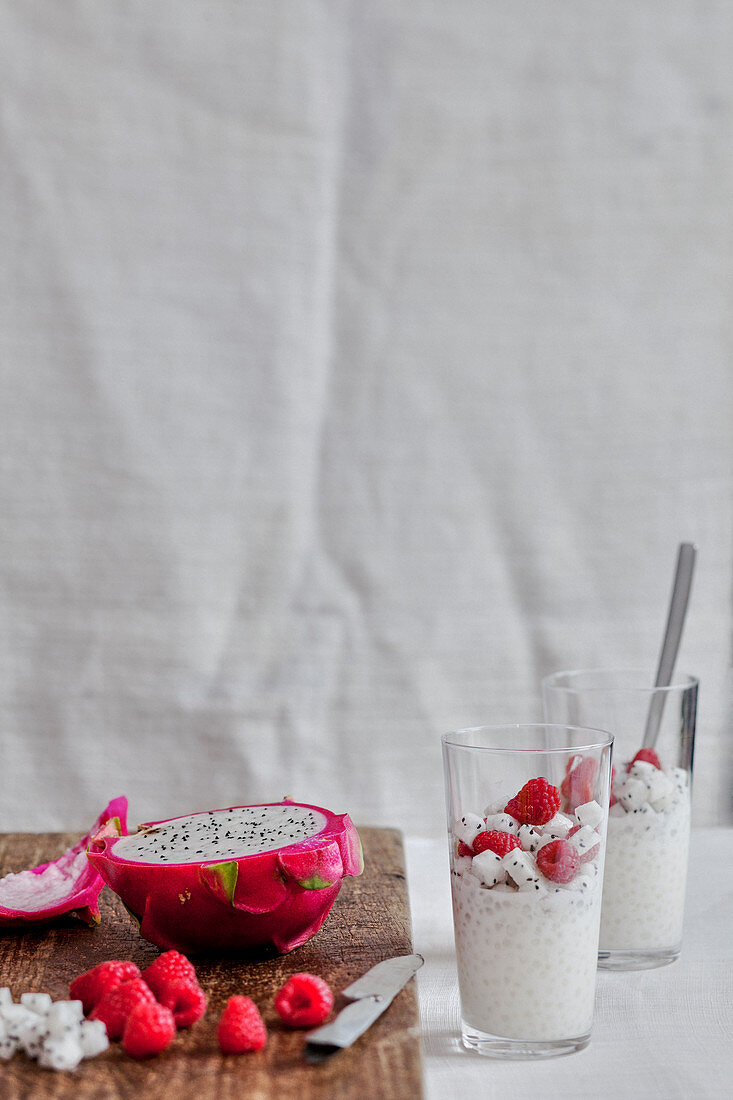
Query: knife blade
pixel 370 995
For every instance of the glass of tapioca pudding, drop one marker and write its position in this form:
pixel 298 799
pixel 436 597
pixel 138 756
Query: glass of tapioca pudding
pixel 649 818
pixel 526 870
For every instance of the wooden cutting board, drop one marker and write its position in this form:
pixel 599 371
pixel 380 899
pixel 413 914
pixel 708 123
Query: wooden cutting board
pixel 370 921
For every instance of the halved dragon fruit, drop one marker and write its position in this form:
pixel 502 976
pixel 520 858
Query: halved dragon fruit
pixel 247 876
pixel 68 885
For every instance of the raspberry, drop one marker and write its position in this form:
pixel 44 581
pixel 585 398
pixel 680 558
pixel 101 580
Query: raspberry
pixel 241 1027
pixel 116 1006
pixel 578 786
pixel 169 967
pixel 186 1000
pixel 150 1028
pixel 648 756
pixel 612 798
pixel 559 861
pixel 304 1001
pixel 91 986
pixel 591 853
pixel 512 808
pixel 535 804
pixel 498 842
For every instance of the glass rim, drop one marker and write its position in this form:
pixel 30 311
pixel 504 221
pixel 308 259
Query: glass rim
pixel 602 741
pixel 683 681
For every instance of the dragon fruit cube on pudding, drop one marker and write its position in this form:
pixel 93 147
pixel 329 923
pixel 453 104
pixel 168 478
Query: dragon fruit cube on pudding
pixel 237 878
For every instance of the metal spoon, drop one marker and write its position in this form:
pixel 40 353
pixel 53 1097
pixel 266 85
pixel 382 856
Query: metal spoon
pixel 672 634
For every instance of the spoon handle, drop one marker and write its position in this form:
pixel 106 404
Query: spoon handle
pixel 672 634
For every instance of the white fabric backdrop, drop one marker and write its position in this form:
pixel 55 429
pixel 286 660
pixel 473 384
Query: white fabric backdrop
pixel 361 363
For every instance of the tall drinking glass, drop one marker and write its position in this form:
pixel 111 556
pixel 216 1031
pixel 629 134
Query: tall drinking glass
pixel 526 873
pixel 649 818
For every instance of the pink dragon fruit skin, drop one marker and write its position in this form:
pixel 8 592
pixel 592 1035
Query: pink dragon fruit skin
pixel 282 868
pixel 67 886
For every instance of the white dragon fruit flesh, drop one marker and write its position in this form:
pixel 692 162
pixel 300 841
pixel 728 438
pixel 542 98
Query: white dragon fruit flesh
pixel 67 886
pixel 247 876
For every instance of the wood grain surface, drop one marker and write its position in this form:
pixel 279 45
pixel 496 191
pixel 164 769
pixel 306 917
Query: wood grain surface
pixel 370 921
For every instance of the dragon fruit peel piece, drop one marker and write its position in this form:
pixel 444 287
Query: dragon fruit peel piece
pixel 68 885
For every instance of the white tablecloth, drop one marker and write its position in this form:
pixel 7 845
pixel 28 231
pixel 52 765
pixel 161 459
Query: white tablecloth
pixel 657 1033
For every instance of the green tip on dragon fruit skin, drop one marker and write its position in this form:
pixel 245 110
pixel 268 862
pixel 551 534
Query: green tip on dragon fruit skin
pixel 232 879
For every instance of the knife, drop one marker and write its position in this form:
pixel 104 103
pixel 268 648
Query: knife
pixel 370 995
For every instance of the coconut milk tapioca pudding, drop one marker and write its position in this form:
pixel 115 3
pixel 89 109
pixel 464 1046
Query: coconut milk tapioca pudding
pixel 649 818
pixel 526 886
pixel 646 861
pixel 527 811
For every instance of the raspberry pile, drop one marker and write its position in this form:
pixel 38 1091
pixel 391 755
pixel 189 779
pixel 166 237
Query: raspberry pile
pixel 146 1010
pixel 143 1010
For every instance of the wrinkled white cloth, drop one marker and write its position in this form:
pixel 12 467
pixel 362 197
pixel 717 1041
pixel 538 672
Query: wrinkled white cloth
pixel 663 1032
pixel 359 365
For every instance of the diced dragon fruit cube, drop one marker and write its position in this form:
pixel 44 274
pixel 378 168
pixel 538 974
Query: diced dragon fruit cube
pixel 61 1053
pixel 642 769
pixel 529 837
pixel 680 778
pixel 16 1019
pixel 521 869
pixel 558 826
pixel 667 801
pixel 488 868
pixel 468 827
pixel 503 823
pixel 632 793
pixel 8 1046
pixel 657 783
pixel 64 1017
pixel 36 1002
pixel 92 1038
pixel 495 807
pixel 34 1036
pixel 590 813
pixel 585 840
